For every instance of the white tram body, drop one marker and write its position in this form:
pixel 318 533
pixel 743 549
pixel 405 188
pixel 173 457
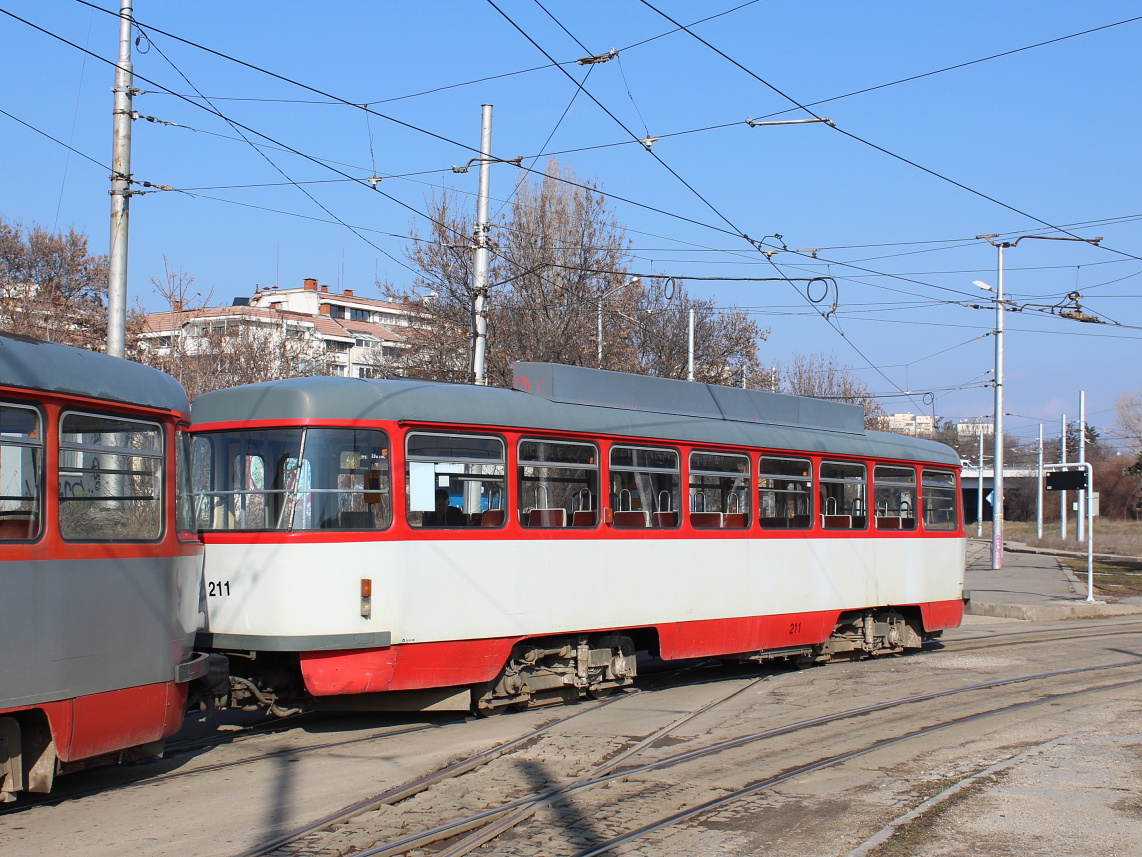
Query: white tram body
pixel 99 586
pixel 410 544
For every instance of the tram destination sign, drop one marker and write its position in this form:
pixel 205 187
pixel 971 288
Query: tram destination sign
pixel 1066 480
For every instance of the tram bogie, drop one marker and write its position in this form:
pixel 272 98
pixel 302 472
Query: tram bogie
pixel 560 670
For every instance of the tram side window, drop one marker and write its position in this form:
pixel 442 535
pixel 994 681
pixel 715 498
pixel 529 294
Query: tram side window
pixel 184 501
pixel 644 487
pixel 941 511
pixel 455 480
pixel 894 497
pixel 21 472
pixel 110 478
pixel 558 484
pixel 844 500
pixel 294 479
pixel 719 490
pixel 785 493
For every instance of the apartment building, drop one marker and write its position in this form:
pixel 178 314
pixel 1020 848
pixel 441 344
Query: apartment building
pixel 351 335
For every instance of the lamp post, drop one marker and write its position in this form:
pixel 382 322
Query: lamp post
pixel 997 423
pixel 997 482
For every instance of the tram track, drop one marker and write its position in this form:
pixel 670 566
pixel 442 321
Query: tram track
pixel 1037 636
pixel 656 681
pixel 59 796
pixel 487 824
pixel 819 764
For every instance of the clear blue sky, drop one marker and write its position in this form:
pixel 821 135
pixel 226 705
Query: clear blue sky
pixel 1049 134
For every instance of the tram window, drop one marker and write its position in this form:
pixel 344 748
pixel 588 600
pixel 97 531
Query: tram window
pixel 296 479
pixel 455 480
pixel 785 493
pixel 558 484
pixel 719 490
pixel 21 472
pixel 184 502
pixel 844 503
pixel 941 511
pixel 894 497
pixel 110 478
pixel 644 487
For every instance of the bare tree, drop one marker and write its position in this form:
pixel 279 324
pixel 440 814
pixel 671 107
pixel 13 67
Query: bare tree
pixel 559 272
pixel 1128 410
pixel 52 287
pixel 822 377
pixel 725 341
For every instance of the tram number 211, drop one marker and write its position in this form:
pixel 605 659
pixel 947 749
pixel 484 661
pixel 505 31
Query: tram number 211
pixel 215 588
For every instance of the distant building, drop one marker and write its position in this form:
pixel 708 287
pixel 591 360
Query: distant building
pixel 976 426
pixel 350 335
pixel 918 425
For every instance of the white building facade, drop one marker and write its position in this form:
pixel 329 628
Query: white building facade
pixel 352 336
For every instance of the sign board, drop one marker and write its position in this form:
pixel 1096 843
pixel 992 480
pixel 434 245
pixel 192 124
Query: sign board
pixel 1066 480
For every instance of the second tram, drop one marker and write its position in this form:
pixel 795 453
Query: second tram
pixel 413 545
pixel 99 567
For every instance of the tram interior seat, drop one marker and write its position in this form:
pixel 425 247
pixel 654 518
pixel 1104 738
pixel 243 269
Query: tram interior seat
pixel 665 519
pixel 18 527
pixel 492 518
pixel 547 518
pixel 631 518
pixel 735 520
pixel 356 520
pixel 706 520
pixel 583 518
pixel 837 522
pixel 800 522
pixel 888 522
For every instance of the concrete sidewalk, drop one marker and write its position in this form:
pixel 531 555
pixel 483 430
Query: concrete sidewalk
pixel 1033 586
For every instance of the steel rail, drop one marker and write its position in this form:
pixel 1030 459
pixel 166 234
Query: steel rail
pixel 829 761
pixel 473 821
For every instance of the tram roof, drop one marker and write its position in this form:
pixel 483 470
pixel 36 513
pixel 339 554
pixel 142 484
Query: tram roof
pixel 354 399
pixel 35 364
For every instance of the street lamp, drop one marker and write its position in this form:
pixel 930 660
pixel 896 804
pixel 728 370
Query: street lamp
pixel 997 482
pixel 997 479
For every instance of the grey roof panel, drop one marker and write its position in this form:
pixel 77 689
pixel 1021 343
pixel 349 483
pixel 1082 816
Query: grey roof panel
pixel 430 402
pixel 580 385
pixel 38 365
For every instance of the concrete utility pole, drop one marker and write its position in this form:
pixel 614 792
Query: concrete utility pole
pixel 1063 494
pixel 1039 504
pixel 1080 532
pixel 979 492
pixel 480 260
pixel 120 188
pixel 690 349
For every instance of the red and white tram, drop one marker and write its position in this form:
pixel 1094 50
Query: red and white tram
pixel 404 544
pixel 99 571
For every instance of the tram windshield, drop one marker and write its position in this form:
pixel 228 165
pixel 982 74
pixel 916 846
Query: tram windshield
pixel 292 479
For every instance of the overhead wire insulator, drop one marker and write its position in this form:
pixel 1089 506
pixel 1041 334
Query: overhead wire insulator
pixel 598 58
